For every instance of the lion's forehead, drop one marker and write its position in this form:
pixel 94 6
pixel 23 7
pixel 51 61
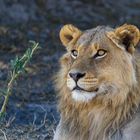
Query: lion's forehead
pixel 92 36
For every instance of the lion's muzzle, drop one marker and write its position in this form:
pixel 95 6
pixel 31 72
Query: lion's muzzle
pixel 82 87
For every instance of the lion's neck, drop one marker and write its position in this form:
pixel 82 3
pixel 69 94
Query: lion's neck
pixel 97 119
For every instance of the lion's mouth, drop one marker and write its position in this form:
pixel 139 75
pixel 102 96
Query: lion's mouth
pixel 81 89
pixel 82 95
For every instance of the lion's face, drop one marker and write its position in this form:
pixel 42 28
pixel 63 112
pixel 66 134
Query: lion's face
pixel 99 62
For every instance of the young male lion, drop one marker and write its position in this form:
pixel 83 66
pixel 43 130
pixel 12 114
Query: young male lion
pixel 99 84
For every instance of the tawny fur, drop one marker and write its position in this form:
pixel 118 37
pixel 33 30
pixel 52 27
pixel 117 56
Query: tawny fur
pixel 107 113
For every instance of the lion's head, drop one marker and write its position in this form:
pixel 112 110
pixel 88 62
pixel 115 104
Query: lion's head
pixel 99 62
pixel 99 79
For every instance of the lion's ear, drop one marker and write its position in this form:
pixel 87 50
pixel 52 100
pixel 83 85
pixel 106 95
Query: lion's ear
pixel 69 34
pixel 128 35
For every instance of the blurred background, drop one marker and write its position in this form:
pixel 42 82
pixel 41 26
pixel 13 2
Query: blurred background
pixel 32 113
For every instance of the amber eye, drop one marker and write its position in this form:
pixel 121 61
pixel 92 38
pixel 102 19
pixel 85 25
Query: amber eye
pixel 100 54
pixel 74 54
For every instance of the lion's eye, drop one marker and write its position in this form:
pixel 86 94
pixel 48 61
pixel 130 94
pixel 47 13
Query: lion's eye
pixel 74 54
pixel 100 54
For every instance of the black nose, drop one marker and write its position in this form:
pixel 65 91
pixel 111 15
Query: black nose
pixel 76 76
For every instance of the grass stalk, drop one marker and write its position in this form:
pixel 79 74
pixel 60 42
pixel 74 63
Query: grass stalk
pixel 18 66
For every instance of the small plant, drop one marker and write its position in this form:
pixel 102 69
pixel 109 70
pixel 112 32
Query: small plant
pixel 17 67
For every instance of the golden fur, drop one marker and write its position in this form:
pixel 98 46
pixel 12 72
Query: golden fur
pixel 116 76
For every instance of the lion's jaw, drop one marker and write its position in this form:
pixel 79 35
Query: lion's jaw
pixel 82 95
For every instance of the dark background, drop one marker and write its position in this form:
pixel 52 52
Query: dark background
pixel 31 113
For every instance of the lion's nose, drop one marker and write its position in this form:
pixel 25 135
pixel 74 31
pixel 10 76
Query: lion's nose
pixel 76 75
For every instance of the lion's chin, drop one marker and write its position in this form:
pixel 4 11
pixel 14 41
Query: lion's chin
pixel 83 96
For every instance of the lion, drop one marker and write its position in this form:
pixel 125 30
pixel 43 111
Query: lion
pixel 98 84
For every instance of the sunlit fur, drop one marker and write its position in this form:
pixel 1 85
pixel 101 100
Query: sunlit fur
pixel 117 77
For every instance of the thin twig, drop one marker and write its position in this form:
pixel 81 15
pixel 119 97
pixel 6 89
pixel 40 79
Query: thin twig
pixel 41 125
pixel 5 138
pixel 10 120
